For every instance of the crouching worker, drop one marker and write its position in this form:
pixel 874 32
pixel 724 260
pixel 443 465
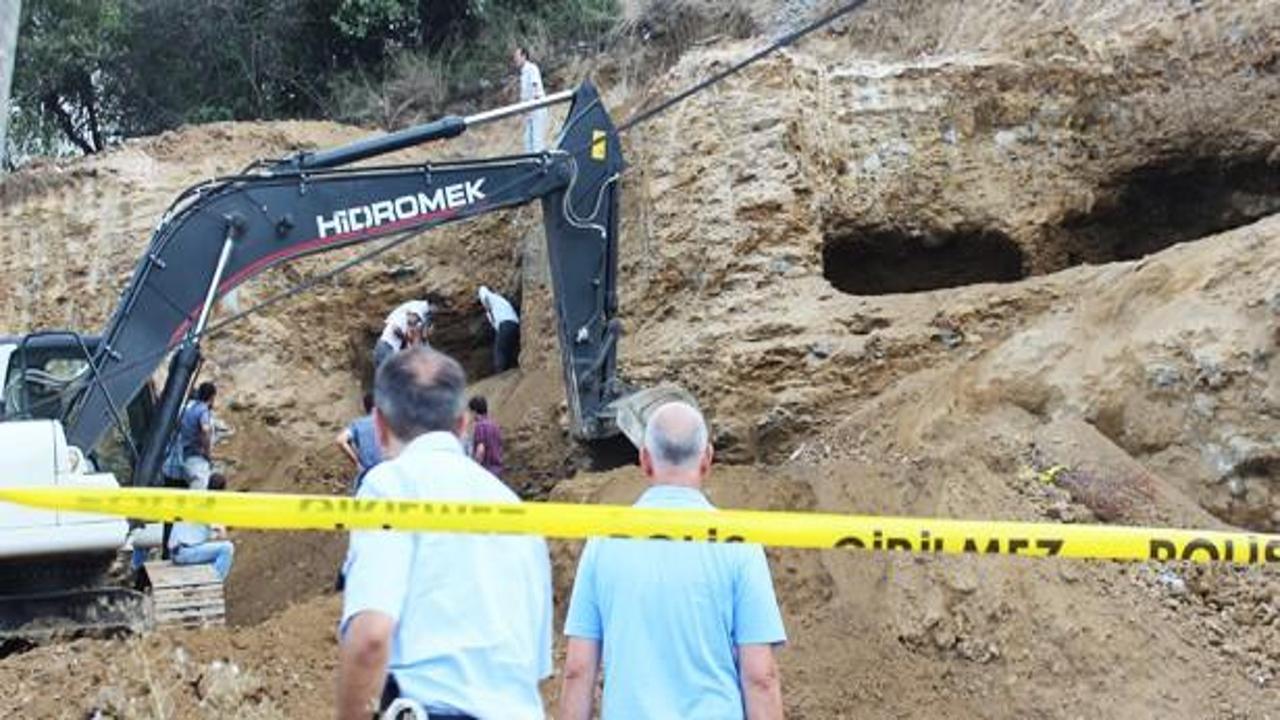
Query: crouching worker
pixel 199 544
pixel 407 326
pixel 456 625
pixel 686 629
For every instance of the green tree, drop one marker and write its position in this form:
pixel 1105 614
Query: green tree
pixel 379 28
pixel 68 55
pixel 223 60
pixel 93 71
pixel 363 19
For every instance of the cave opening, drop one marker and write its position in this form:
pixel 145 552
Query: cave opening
pixel 1172 201
pixel 464 334
pixel 884 260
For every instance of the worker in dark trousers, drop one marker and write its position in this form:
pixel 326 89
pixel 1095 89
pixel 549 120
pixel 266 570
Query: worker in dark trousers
pixel 506 329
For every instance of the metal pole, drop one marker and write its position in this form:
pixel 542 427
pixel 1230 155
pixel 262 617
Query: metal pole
pixel 10 12
pixel 516 109
pixel 212 293
pixel 446 127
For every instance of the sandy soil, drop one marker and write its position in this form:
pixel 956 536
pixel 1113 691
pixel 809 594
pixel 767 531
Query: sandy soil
pixel 903 267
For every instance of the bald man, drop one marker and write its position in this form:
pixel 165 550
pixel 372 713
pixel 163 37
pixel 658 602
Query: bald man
pixel 456 625
pixel 688 629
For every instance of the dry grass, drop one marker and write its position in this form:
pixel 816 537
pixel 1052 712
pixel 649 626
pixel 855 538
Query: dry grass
pixel 414 90
pixel 675 25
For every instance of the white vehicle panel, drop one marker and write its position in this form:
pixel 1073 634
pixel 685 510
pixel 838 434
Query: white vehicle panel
pixel 28 456
pixel 35 452
pixel 89 537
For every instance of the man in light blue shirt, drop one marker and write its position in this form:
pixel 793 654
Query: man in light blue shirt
pixel 687 629
pixel 359 442
pixel 195 434
pixel 458 624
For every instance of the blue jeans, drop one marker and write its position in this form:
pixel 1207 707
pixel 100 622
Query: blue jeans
pixel 218 552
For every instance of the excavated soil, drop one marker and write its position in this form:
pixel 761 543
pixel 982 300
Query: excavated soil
pixel 904 266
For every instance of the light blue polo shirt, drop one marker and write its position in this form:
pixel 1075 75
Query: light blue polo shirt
pixel 670 616
pixel 472 612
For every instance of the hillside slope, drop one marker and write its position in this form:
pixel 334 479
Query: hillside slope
pixel 905 266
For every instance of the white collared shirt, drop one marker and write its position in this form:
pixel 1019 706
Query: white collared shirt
pixel 531 89
pixel 472 612
pixel 497 308
pixel 397 322
pixel 530 82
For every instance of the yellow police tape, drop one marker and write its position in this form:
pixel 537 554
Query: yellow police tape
pixel 563 520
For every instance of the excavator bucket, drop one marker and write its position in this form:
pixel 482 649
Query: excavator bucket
pixel 631 412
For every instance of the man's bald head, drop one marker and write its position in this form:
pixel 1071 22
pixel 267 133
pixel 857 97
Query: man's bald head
pixel 419 390
pixel 675 438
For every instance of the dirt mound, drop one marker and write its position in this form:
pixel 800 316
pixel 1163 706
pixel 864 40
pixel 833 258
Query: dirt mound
pixel 909 267
pixel 280 669
pixel 764 237
pixel 886 636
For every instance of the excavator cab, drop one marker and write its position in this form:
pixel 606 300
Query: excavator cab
pixel 48 558
pixel 40 376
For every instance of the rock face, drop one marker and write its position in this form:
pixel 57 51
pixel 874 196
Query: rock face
pixel 1187 387
pixel 754 221
pixel 908 267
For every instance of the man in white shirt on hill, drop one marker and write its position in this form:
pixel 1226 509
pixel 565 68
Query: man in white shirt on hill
pixel 535 122
pixel 506 329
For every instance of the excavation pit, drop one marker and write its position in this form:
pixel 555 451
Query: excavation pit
pixel 462 332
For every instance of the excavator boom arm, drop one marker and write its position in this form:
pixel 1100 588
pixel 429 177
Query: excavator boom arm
pixel 235 228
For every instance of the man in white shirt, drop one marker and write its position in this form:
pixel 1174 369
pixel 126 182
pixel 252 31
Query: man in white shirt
pixel 535 122
pixel 406 326
pixel 506 329
pixel 458 624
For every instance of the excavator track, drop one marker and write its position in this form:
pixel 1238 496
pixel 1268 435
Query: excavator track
pixel 49 599
pixel 40 617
